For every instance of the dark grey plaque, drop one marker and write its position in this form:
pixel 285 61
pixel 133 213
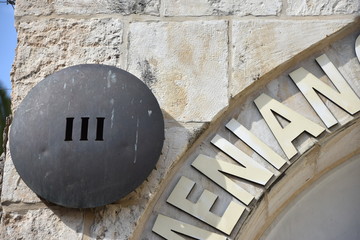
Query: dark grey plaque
pixel 87 136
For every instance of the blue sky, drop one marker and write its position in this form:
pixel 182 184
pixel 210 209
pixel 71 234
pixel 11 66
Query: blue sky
pixel 7 44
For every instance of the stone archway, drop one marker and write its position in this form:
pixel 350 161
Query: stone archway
pixel 328 209
pixel 291 174
pixel 320 161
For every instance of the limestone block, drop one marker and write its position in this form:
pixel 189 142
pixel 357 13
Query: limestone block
pixel 124 7
pixel 80 7
pixel 33 7
pixel 318 7
pixel 295 177
pixel 42 224
pixel 185 65
pixel 221 7
pixel 348 140
pixel 14 190
pixel 2 160
pixel 257 219
pixel 49 45
pixel 259 46
pixel 117 221
pixel 178 138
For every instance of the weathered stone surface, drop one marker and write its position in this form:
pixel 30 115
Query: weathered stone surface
pixel 42 224
pixel 33 7
pixel 185 65
pixel 347 140
pixel 80 7
pixel 127 7
pixel 318 7
pixel 221 7
pixel 48 45
pixel 14 190
pixel 293 179
pixel 259 46
pixel 178 138
pixel 2 160
pixel 258 217
pixel 124 7
pixel 110 222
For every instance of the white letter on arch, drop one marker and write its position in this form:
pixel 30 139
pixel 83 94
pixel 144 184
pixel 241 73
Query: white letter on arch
pixel 298 124
pixel 201 209
pixel 343 97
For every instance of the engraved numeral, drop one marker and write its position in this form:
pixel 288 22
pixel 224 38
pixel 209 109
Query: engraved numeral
pixel 84 129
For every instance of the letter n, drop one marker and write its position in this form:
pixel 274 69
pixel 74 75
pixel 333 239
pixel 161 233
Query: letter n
pixel 310 86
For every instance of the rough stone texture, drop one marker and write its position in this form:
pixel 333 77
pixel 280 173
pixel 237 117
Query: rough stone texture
pixel 184 64
pixel 48 45
pixel 2 160
pixel 124 7
pixel 80 7
pixel 298 175
pixel 127 7
pixel 42 224
pixel 259 46
pixel 178 138
pixel 348 140
pixel 221 7
pixel 109 222
pixel 14 189
pixel 34 7
pixel 259 216
pixel 318 7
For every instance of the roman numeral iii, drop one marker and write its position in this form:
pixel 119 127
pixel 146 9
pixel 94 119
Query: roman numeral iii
pixel 84 129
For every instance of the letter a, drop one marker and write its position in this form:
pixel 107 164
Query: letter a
pixel 298 124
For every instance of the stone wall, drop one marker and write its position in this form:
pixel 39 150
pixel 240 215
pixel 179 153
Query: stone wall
pixel 197 57
pixel 315 156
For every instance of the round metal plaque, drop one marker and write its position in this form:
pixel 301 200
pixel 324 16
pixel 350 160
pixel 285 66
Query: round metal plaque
pixel 86 136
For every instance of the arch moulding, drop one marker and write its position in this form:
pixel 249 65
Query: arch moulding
pixel 275 139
